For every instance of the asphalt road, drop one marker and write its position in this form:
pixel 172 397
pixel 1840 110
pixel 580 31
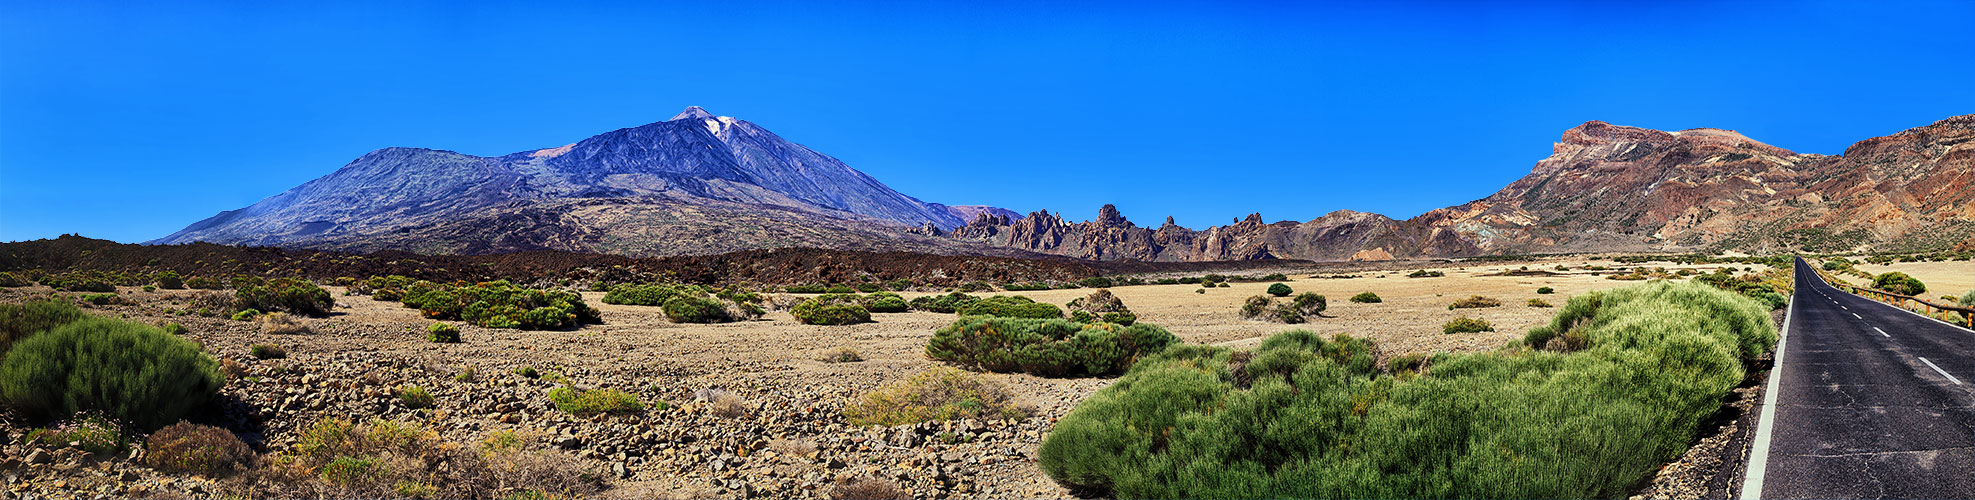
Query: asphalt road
pixel 1870 401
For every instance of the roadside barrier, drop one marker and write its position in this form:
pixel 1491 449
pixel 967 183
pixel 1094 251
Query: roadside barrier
pixel 1910 303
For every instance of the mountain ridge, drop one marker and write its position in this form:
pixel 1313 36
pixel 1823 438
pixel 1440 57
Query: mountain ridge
pixel 700 184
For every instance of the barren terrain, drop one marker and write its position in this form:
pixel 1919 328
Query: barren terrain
pixel 791 441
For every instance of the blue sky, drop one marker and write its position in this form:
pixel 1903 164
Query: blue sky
pixel 130 121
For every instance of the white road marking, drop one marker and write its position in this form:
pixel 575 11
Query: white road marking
pixel 1759 450
pixel 1944 373
pixel 1882 332
pixel 1855 315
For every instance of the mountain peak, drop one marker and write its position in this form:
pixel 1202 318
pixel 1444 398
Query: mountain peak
pixel 693 112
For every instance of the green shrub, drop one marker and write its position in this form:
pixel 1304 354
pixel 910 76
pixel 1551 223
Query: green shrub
pixel 1545 290
pixel 1968 299
pixel 831 309
pixel 292 295
pixel 415 397
pixel 11 280
pixel 499 304
pixel 1900 283
pixel 174 328
pixel 1279 290
pixel 267 351
pixel 1474 302
pixel 527 371
pixel 689 309
pixel 1288 421
pixel 840 288
pixel 1466 324
pixel 804 289
pixel 1101 306
pixel 648 295
pixel 594 401
pixel 98 298
pixel 187 448
pixel 1011 306
pixel 95 433
pixel 1366 298
pixel 1045 347
pixel 1095 282
pixel 1538 303
pixel 948 303
pixel 937 394
pixel 20 321
pixel 169 280
pixel 885 302
pixel 869 287
pixel 131 372
pixel 442 332
pixel 1425 274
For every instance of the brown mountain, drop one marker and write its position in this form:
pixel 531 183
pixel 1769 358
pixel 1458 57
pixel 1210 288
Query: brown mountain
pixel 1604 188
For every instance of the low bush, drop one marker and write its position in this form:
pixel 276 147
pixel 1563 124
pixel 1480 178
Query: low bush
pixel 280 323
pixel 1289 421
pixel 170 280
pixel 389 459
pixel 1045 347
pixel 939 393
pixel 1293 311
pixel 1538 303
pixel 187 448
pixel 804 289
pixel 442 332
pixel 884 302
pixel 1900 283
pixel 91 431
pixel 1101 306
pixel 1010 306
pixel 292 295
pixel 831 309
pixel 267 351
pixel 1279 290
pixel 943 303
pixel 499 304
pixel 246 315
pixel 841 355
pixel 1474 302
pixel 130 372
pixel 1466 324
pixel 1366 298
pixel 1025 287
pixel 1096 282
pixel 204 283
pixel 868 488
pixel 1968 299
pixel 20 321
pixel 870 287
pixel 1425 274
pixel 174 328
pixel 1545 290
pixel 594 401
pixel 415 397
pixel 98 298
pixel 688 309
pixel 11 280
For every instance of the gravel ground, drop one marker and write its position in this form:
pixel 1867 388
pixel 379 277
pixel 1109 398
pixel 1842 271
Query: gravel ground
pixel 349 365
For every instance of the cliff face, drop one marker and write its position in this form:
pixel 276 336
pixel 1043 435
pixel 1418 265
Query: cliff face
pixel 1603 188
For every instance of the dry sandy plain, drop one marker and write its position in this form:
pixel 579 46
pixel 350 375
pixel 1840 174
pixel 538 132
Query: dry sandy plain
pixel 346 367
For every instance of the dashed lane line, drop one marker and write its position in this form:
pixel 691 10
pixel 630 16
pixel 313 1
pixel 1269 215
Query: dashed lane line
pixel 1944 373
pixel 1882 332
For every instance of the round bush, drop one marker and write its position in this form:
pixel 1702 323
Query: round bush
pixel 1366 298
pixel 885 302
pixel 1011 306
pixel 293 295
pixel 1900 283
pixel 1279 290
pixel 817 311
pixel 1546 290
pixel 199 449
pixel 688 309
pixel 132 372
pixel 1466 324
pixel 442 332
